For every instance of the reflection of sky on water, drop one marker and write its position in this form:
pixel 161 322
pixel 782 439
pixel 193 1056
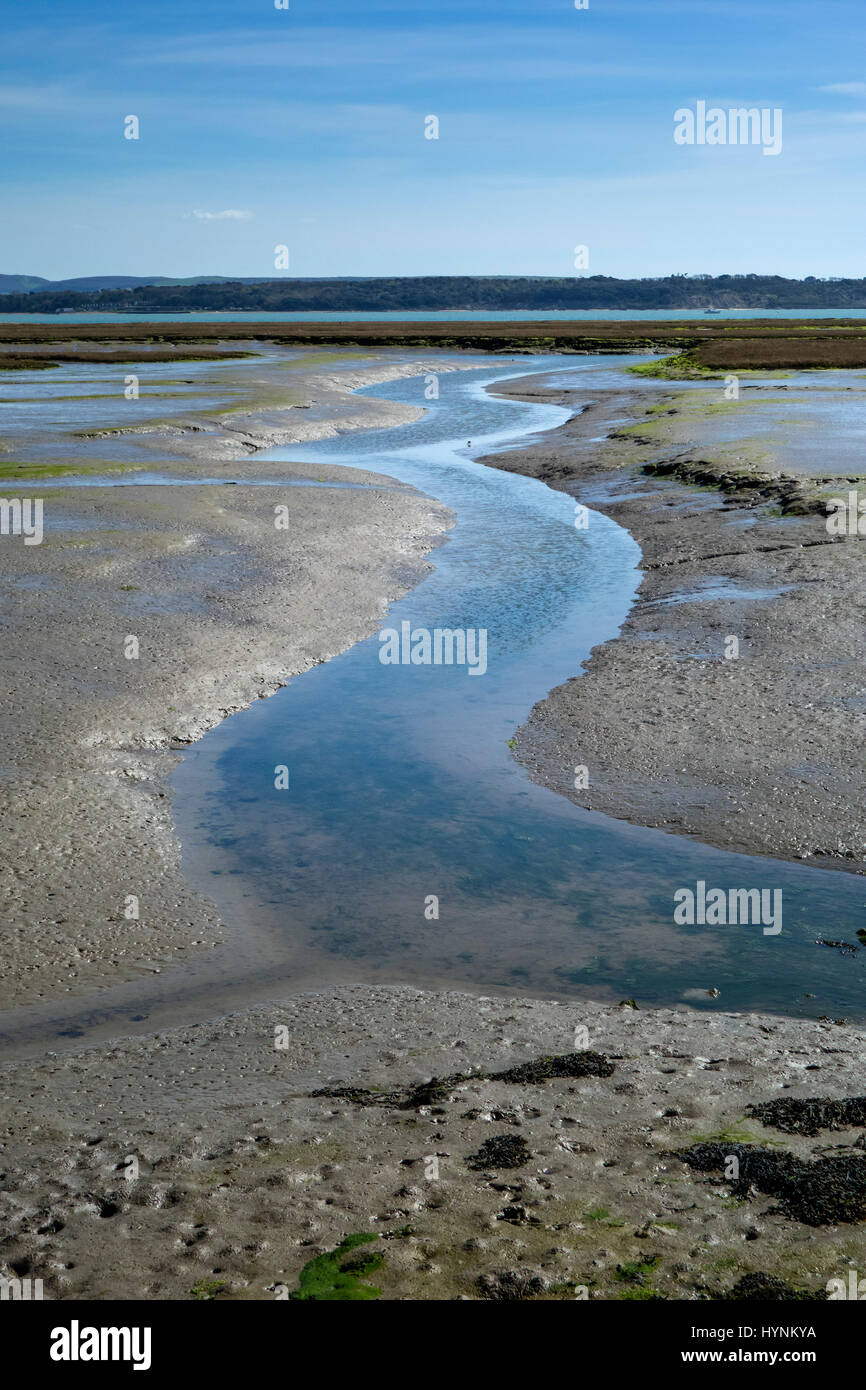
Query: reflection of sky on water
pixel 403 786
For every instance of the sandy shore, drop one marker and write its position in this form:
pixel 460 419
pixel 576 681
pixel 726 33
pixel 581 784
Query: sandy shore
pixel 225 608
pixel 198 1162
pixel 762 752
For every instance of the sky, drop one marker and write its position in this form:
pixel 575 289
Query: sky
pixel 305 127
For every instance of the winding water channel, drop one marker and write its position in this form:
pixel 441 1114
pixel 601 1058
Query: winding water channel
pixel 409 845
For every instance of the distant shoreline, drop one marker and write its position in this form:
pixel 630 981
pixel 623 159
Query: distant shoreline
pixel 541 294
pixel 714 345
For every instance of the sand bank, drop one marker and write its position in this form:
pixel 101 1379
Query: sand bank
pixel 759 752
pixel 199 1162
pixel 223 608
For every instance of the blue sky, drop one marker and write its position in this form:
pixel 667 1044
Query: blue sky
pixel 305 127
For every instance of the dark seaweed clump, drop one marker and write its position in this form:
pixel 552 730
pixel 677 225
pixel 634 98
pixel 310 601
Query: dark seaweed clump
pixel 845 948
pixel 546 1068
pixel 810 1116
pixel 511 1285
pixel 769 1288
pixel 501 1151
pixel 407 1098
pixel 820 1193
pixel 429 1092
pixel 438 1088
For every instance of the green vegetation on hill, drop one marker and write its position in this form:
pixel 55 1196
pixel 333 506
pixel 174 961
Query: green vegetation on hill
pixel 426 293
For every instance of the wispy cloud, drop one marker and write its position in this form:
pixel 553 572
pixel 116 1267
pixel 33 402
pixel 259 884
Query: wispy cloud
pixel 481 52
pixel 845 89
pixel 311 121
pixel 227 215
pixel 34 97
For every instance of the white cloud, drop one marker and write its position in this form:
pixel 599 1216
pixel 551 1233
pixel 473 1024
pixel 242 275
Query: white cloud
pixel 845 89
pixel 227 215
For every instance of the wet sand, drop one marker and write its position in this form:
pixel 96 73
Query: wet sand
pixel 224 608
pixel 200 1163
pixel 761 752
pixel 197 1162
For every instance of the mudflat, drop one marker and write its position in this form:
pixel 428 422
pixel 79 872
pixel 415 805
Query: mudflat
pixel 147 615
pixel 730 707
pixel 471 1147
pixel 221 1161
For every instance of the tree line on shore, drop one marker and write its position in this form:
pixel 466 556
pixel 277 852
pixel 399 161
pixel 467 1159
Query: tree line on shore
pixel 456 292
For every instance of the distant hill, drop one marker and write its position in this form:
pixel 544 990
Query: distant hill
pixel 12 284
pixel 540 294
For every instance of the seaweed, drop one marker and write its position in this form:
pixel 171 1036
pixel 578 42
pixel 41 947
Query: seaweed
pixel 408 1098
pixel 206 1290
pixel 438 1088
pixel 809 1117
pixel 636 1271
pixel 545 1068
pixel 769 1288
pixel 511 1285
pixel 845 948
pixel 820 1193
pixel 336 1276
pixel 501 1151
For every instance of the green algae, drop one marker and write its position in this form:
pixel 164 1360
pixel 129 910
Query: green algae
pixel 636 1274
pixel 25 364
pixel 280 400
pixel 335 1277
pixel 602 1215
pixel 736 1135
pixel 636 1271
pixel 321 359
pixel 680 367
pixel 22 472
pixel 94 396
pixel 207 1289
